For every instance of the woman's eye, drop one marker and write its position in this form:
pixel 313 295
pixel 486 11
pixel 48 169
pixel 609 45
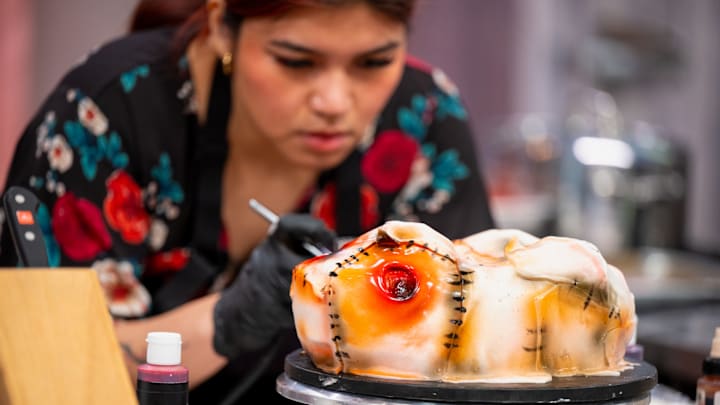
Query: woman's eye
pixel 295 63
pixel 375 62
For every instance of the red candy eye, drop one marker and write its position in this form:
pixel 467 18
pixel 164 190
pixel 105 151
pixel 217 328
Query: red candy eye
pixel 398 281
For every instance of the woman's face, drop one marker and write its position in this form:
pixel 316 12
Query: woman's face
pixel 312 81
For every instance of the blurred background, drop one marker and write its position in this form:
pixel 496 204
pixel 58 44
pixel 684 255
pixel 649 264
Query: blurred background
pixel 595 119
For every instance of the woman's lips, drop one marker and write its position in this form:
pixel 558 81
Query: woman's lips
pixel 326 142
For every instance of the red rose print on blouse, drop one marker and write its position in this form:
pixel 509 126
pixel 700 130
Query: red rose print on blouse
pixel 124 209
pixel 386 165
pixel 323 206
pixel 79 228
pixel 170 261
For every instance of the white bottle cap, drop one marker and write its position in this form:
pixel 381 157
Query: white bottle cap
pixel 164 348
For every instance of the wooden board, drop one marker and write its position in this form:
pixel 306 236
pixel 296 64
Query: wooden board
pixel 57 342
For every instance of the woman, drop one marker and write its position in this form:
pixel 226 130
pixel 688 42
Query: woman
pixel 146 155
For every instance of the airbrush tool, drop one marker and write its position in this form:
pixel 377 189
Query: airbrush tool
pixel 272 218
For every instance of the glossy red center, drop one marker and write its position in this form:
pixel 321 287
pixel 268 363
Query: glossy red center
pixel 398 281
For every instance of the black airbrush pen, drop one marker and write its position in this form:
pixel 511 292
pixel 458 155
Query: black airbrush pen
pixel 272 218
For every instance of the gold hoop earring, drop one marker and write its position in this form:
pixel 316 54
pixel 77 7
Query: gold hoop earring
pixel 226 60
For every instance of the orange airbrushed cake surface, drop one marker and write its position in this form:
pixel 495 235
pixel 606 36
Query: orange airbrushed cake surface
pixel 402 301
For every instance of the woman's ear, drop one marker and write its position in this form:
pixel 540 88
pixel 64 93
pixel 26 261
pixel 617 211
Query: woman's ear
pixel 220 36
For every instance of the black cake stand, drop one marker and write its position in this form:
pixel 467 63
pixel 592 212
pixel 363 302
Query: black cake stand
pixel 303 382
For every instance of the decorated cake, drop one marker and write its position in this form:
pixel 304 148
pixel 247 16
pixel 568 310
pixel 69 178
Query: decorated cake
pixel 403 301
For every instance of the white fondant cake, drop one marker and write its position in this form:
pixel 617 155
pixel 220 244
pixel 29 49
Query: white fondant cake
pixel 403 301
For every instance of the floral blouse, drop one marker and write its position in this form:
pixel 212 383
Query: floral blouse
pixel 110 155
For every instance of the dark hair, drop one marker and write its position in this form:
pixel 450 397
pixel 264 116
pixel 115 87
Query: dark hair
pixel 159 13
pixel 191 15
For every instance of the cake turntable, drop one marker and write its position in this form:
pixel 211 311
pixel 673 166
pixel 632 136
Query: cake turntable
pixel 304 383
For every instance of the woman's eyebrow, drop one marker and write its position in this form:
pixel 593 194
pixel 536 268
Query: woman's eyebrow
pixel 288 45
pixel 383 48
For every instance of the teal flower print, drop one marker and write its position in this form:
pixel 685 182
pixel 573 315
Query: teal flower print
pixel 446 168
pixel 36 182
pixel 450 105
pixel 129 79
pixel 183 63
pixel 112 148
pixel 93 149
pixel 167 187
pixel 87 146
pixel 419 103
pixel 51 245
pixel 411 120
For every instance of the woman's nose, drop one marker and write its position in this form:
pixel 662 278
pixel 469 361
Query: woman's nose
pixel 332 97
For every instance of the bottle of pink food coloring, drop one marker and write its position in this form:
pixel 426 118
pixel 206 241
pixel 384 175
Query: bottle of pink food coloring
pixel 163 380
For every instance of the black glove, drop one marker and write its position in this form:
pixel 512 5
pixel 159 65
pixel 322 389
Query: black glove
pixel 257 305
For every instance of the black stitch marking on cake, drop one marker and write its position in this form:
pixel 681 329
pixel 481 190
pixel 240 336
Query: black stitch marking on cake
pixel 535 331
pixel 336 330
pixel 354 258
pixel 589 297
pixel 532 349
pixel 433 252
pixel 335 325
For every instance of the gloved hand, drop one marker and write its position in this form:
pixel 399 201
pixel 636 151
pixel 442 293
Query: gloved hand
pixel 257 305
